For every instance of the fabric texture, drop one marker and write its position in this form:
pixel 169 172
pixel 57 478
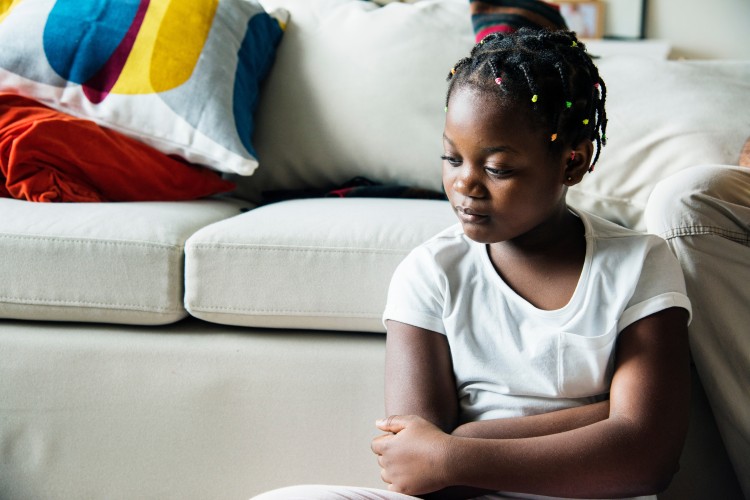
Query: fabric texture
pixel 704 213
pixel 183 399
pixel 182 76
pixel 98 262
pixel 315 264
pixel 366 98
pixel 384 110
pixel 507 16
pixel 677 121
pixel 48 156
pixel 511 359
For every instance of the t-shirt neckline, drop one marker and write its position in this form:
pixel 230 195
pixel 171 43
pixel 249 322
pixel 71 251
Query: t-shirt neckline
pixel 578 293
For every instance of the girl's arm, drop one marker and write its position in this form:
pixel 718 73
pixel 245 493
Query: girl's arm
pixel 535 425
pixel 419 375
pixel 419 381
pixel 634 451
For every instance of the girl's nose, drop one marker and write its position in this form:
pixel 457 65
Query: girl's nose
pixel 468 183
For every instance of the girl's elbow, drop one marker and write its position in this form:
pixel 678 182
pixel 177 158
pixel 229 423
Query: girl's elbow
pixel 655 478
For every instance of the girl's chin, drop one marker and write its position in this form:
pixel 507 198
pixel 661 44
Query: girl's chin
pixel 479 233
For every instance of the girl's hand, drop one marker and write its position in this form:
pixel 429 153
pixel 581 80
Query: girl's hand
pixel 413 455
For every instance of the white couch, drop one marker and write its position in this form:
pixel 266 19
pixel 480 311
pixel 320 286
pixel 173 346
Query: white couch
pixel 211 349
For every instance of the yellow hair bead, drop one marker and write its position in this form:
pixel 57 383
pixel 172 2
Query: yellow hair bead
pixel 534 98
pixel 453 71
pixel 586 121
pixel 554 137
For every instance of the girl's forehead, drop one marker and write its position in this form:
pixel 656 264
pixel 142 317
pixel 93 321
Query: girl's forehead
pixel 469 104
pixel 480 118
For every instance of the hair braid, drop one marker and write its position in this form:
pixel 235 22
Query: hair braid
pixel 549 71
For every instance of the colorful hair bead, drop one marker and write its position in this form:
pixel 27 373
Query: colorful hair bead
pixel 586 121
pixel 446 109
pixel 572 155
pixel 453 71
pixel 574 44
pixel 568 104
pixel 553 138
pixel 534 98
pixel 499 80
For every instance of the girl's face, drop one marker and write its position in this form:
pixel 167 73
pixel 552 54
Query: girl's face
pixel 500 176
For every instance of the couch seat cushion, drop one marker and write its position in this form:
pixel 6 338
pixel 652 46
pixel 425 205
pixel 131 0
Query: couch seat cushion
pixel 314 264
pixel 98 262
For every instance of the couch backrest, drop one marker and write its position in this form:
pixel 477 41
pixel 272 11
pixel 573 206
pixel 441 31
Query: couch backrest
pixel 358 90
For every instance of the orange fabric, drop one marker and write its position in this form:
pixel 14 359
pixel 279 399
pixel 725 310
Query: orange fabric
pixel 48 156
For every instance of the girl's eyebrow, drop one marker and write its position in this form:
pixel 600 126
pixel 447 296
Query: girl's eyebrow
pixel 488 149
pixel 498 149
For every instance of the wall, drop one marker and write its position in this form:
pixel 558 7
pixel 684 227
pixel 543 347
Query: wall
pixel 701 29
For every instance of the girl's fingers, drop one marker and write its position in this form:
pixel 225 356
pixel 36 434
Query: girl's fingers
pixel 393 424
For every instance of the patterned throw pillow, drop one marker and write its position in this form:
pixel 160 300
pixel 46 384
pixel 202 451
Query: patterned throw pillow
pixel 180 75
pixel 490 16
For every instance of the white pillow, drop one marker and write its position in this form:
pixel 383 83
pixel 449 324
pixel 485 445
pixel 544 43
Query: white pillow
pixel 358 89
pixel 664 116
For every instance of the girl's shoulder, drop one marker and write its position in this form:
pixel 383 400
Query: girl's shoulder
pixel 599 228
pixel 447 249
pixel 449 241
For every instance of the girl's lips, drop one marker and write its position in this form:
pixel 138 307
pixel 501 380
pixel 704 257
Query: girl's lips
pixel 469 216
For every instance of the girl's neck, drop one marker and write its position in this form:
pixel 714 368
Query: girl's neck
pixel 559 231
pixel 543 268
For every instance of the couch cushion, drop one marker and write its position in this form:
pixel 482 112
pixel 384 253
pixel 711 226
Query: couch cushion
pixel 313 264
pixel 100 262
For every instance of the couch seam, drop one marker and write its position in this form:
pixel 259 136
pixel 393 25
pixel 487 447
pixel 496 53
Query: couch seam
pixel 296 312
pixel 67 303
pixel 272 248
pixel 91 240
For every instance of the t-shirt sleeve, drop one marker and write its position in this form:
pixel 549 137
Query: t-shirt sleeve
pixel 416 292
pixel 661 285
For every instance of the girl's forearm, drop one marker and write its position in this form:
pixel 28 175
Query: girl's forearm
pixel 521 427
pixel 612 457
pixel 536 425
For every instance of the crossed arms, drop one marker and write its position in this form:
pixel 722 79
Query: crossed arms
pixel 626 446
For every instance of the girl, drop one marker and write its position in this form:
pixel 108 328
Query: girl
pixel 532 348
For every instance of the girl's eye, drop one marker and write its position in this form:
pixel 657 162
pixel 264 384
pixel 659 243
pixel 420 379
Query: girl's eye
pixel 497 172
pixel 453 161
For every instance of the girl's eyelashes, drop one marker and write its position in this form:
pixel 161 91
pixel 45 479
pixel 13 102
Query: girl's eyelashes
pixel 498 172
pixel 453 161
pixel 494 172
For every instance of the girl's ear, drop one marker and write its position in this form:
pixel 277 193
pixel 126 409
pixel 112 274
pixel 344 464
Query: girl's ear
pixel 577 162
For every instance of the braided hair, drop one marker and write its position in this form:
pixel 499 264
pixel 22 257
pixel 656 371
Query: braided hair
pixel 549 71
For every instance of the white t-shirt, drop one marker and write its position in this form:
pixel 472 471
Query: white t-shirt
pixel 512 359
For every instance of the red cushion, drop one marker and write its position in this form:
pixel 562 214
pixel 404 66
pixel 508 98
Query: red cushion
pixel 49 156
